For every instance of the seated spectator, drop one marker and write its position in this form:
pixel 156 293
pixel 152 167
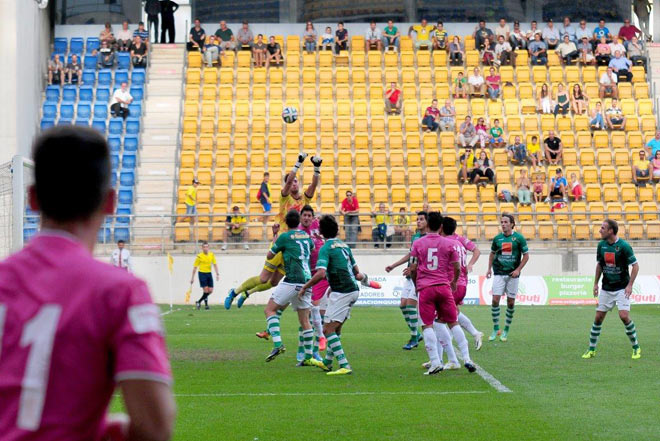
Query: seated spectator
pixel 602 32
pixel 55 70
pixel 423 34
pixel 627 32
pixel 373 38
pixel 636 52
pixel 504 52
pixel 456 51
pixel 533 31
pixel 74 70
pixel 576 189
pixel 621 67
pixel 393 99
pixel 523 186
pixel 482 168
pixel 383 231
pixel 538 189
pixel 106 57
pixel 656 165
pixel 482 132
pixel 481 34
pixel 274 54
pixel 614 116
pixel 467 163
pixel 121 98
pixel 534 151
pixel 447 117
pixel 586 53
pixel 653 146
pixel 310 37
pixel 139 53
pixel 583 32
pixel 538 51
pixel 493 83
pixel 642 170
pixel 603 52
pixel 245 37
pixel 107 35
pixel 496 135
pixel 196 37
pixel 142 32
pixel 341 38
pixel 558 187
pixel 546 103
pixel 212 51
pixel 567 51
pixel 517 151
pixel 563 100
pixel 477 83
pixel 502 30
pixel 432 117
pixel 579 100
pixel 597 122
pixel 460 86
pixel 608 84
pixel 566 28
pixel 124 38
pixel 439 37
pixel 616 45
pixel 259 51
pixel 554 149
pixel 327 39
pixel 226 37
pixel 236 231
pixel 391 36
pixel 402 230
pixel 467 133
pixel 518 39
pixel 488 52
pixel 550 35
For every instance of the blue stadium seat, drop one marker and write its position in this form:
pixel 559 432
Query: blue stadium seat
pixel 130 144
pixel 114 142
pixel 69 94
pixel 90 62
pixel 64 122
pixel 102 94
pixel 123 60
pixel 116 126
pixel 99 124
pixel 137 92
pixel 132 126
pixel 86 93
pixel 114 161
pixel 47 123
pixel 31 216
pixel 127 178
pixel 92 43
pixel 100 111
pixel 128 160
pixel 125 195
pixel 89 76
pixel 49 110
pixel 53 93
pixel 104 235
pixel 105 77
pixel 113 179
pixel 61 45
pixel 66 110
pixel 29 233
pixel 82 122
pixel 84 109
pixel 122 233
pixel 135 110
pixel 121 76
pixel 123 212
pixel 76 46
pixel 138 77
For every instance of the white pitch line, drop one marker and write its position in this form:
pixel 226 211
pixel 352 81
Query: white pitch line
pixel 170 311
pixel 305 394
pixel 488 378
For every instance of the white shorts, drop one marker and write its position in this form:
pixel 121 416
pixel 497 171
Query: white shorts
pixel 505 285
pixel 607 300
pixel 286 293
pixel 323 303
pixel 409 291
pixel 339 306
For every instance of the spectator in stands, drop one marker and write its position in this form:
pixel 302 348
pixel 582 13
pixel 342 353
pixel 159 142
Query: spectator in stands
pixel 642 170
pixel 567 51
pixel 432 117
pixel 245 37
pixel 350 209
pixel 481 34
pixel 488 52
pixel 106 57
pixel 496 135
pixel 191 201
pixel 636 52
pixel 212 51
pixel 477 83
pixel 196 37
pixel 264 196
pixel 579 100
pixel 614 116
pixel 621 67
pixel 656 165
pixel 653 146
pixel 628 31
pixel 107 35
pixel 554 149
pixel 597 122
pixel 567 28
pixel 393 99
pixel 341 38
pixel 586 52
pixel 616 45
pixel 563 100
pixel 226 36
pixel 121 98
pixel 167 10
pixel 603 52
pixel 373 38
pixel 493 83
pixel 383 231
pixel 274 54
pixel 460 86
pixel 55 70
pixel 74 70
pixel 139 53
pixel 533 31
pixel 534 151
pixel 456 51
pixel 538 50
pixel 142 33
pixel 310 37
pixel 504 53
pixel 467 163
pixel 439 37
pixel 518 38
pixel 582 32
pixel 259 51
pixel 327 39
pixel 482 132
pixel 546 103
pixel 503 30
pixel 423 34
pixel 124 38
pixel 602 32
pixel 236 231
pixel 152 8
pixel 523 186
pixel 447 117
pixel 558 187
pixel 391 36
pixel 467 133
pixel 517 151
pixel 402 230
pixel 482 169
pixel 608 84
pixel 576 188
pixel 550 35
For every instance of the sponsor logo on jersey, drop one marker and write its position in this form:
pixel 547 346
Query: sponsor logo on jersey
pixel 507 248
pixel 610 258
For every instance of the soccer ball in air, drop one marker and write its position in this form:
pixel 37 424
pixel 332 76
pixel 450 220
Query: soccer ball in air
pixel 289 115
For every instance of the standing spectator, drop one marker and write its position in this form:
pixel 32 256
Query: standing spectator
pixel 628 31
pixel 567 51
pixel 597 122
pixel 74 70
pixel 106 57
pixel 245 37
pixel 533 31
pixel 602 32
pixel 614 116
pixel 423 34
pixel 383 230
pixel 212 51
pixel 482 169
pixel 142 33
pixel 534 151
pixel 567 28
pixel 121 98
pixel 327 39
pixel 523 186
pixel 460 86
pixel 538 50
pixel 621 67
pixel 496 135
pixel 310 37
pixel 603 52
pixel 582 32
pixel 121 257
pixel 558 187
pixel 167 10
pixel 139 53
pixel 586 52
pixel 350 209
pixel 579 100
pixel 259 51
pixel 263 195
pixel 124 38
pixel 391 36
pixel 563 100
pixel 236 231
pixel 373 38
pixel 226 36
pixel 493 83
pixel 152 8
pixel 642 170
pixel 653 146
pixel 550 35
pixel 518 38
pixel 517 151
pixel 636 52
pixel 274 54
pixel 504 52
pixel 477 83
pixel 537 188
pixel 196 37
pixel 608 84
pixel 576 188
pixel 467 133
pixel 402 231
pixel 554 149
pixel 503 30
pixel 191 201
pixel 432 117
pixel 546 103
pixel 107 35
pixel 393 99
pixel 481 35
pixel 447 117
pixel 456 51
pixel 656 165
pixel 439 37
pixel 341 38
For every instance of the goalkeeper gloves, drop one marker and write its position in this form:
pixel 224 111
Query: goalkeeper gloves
pixel 316 160
pixel 301 159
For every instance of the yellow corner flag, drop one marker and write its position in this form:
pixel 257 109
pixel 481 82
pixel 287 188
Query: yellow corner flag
pixel 170 263
pixel 188 293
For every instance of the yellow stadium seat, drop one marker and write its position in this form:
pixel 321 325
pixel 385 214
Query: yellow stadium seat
pixel 522 60
pixel 593 193
pixel 453 194
pixel 645 194
pixel 621 157
pixel 469 193
pixel 653 230
pixel 546 231
pixel 607 175
pixel 641 90
pixel 628 193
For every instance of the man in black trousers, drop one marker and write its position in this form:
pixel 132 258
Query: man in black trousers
pixel 167 10
pixel 152 8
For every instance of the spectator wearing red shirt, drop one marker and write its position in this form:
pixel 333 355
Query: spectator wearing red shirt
pixel 627 32
pixel 432 117
pixel 393 99
pixel 350 209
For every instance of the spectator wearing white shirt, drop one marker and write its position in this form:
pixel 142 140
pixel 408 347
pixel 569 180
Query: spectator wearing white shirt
pixel 567 50
pixel 477 83
pixel 518 37
pixel 504 53
pixel 617 46
pixel 567 28
pixel 124 38
pixel 582 32
pixel 503 30
pixel 121 98
pixel 533 31
pixel 608 84
pixel 373 38
pixel 121 257
pixel 551 35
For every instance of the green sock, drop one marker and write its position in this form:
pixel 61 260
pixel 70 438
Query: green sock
pixel 404 311
pixel 273 326
pixel 413 317
pixel 315 349
pixel 308 337
pixel 279 312
pixel 495 312
pixel 509 318
pixel 248 284
pixel 631 332
pixel 301 349
pixel 595 334
pixel 334 343
pixel 260 287
pixel 329 356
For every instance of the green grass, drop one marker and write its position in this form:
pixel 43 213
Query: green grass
pixel 555 394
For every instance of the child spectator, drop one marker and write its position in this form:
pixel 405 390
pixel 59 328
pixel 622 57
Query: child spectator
pixel 460 86
pixel 534 151
pixel 576 188
pixel 496 135
pixel 538 189
pixel 327 39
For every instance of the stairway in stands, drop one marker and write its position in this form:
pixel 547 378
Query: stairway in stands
pixel 157 170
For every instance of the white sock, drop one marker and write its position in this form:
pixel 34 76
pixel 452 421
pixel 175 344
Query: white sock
pixel 444 339
pixel 431 345
pixel 316 321
pixel 462 342
pixel 466 324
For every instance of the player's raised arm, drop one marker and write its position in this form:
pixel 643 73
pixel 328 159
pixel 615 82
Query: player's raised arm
pixel 286 190
pixel 316 160
pixel 319 275
pixel 398 263
pixel 151 409
pixel 475 256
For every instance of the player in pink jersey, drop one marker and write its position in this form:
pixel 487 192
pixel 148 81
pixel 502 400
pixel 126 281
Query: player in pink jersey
pixel 73 328
pixel 436 269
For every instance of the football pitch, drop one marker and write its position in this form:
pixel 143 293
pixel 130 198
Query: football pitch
pixel 225 391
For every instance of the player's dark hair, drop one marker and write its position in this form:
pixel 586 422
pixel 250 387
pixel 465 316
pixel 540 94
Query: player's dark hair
pixel 328 226
pixel 205 243
pixel 613 225
pixel 120 241
pixel 423 213
pixel 66 159
pixel 511 219
pixel 448 225
pixel 307 208
pixel 292 219
pixel 434 221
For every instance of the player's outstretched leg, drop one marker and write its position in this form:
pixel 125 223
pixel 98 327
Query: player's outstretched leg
pixel 466 324
pixel 273 326
pixel 463 345
pixel 444 339
pixel 243 287
pixel 259 288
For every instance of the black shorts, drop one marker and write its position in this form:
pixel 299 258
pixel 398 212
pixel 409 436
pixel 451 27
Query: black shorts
pixel 553 154
pixel 205 280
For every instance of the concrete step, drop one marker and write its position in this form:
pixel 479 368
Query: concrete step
pixel 162 104
pixel 159 137
pixel 156 169
pixel 166 71
pixel 157 153
pixel 156 188
pixel 160 120
pixel 164 87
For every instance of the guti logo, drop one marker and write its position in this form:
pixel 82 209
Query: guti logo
pixel 638 295
pixel 532 290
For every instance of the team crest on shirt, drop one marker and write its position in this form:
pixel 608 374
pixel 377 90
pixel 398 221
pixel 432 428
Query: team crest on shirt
pixel 507 248
pixel 610 259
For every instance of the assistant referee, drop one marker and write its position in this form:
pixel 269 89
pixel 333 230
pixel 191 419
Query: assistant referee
pixel 203 261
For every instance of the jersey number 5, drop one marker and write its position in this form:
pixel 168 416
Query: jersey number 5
pixel 432 259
